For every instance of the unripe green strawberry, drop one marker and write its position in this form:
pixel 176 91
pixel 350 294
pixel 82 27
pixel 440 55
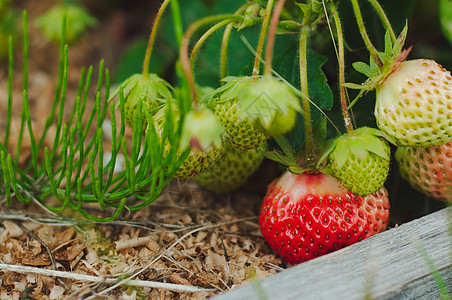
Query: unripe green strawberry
pixel 202 133
pixel 197 162
pixel 150 90
pixel 241 132
pixel 414 104
pixel 231 170
pixel 360 160
pixel 271 104
pixel 78 20
pixel 428 170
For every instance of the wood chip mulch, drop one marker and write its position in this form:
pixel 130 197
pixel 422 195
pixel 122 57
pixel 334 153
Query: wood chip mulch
pixel 187 239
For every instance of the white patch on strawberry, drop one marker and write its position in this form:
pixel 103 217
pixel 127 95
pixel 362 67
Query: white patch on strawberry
pixel 414 104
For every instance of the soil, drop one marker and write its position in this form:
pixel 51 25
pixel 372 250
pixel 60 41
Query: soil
pixel 189 238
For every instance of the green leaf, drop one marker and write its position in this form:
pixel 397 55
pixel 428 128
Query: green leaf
pixel 363 68
pixel 400 42
pixel 354 86
pixel 285 146
pixel 287 65
pixel 280 158
pixel 376 145
pixel 341 153
pixel 356 147
pixel 388 43
pixel 445 17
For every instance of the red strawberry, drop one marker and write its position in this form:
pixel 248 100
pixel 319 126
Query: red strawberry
pixel 308 215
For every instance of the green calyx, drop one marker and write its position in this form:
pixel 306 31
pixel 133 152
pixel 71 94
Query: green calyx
pixel 201 129
pixel 269 103
pixel 390 58
pixel 150 90
pixel 360 160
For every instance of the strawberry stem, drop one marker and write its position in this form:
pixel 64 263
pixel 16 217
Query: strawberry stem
pixel 303 47
pixel 341 61
pixel 225 43
pixel 183 52
pixel 204 37
pixel 147 58
pixel 177 21
pixel 260 45
pixel 362 29
pixel 224 51
pixel 272 35
pixel 384 18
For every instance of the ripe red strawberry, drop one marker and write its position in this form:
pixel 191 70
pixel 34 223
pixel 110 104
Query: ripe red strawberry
pixel 414 104
pixel 308 215
pixel 428 170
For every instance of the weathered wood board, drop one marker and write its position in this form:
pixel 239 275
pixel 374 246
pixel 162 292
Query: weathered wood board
pixel 389 265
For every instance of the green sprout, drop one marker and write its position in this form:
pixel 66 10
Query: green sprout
pixel 74 170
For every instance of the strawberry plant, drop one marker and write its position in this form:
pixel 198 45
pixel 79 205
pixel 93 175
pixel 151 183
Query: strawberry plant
pixel 269 92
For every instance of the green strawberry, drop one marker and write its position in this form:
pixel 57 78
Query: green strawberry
pixel 151 90
pixel 414 104
pixel 77 18
pixel 201 132
pixel 241 133
pixel 231 170
pixel 360 160
pixel 428 170
pixel 271 104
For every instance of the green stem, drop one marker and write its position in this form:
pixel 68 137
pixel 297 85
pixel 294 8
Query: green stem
pixel 25 82
pixel 272 36
pixel 203 39
pixel 177 21
pixel 10 91
pixel 341 61
pixel 384 18
pixel 303 47
pixel 147 58
pixel 224 51
pixel 260 45
pixel 183 53
pixel 362 29
pixel 225 43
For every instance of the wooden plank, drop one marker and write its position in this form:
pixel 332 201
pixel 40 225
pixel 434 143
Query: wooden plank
pixel 389 265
